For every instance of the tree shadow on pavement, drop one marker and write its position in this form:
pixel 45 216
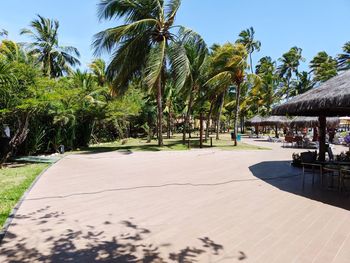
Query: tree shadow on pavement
pixel 287 178
pixel 92 245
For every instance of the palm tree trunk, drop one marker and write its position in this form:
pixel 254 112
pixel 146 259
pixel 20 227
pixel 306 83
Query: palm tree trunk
pixel 187 118
pixel 251 63
pixel 219 116
pixel 208 121
pixel 168 126
pixel 160 112
pixel 237 111
pixel 201 130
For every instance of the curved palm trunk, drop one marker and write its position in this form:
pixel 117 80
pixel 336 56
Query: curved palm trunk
pixel 219 116
pixel 160 112
pixel 238 94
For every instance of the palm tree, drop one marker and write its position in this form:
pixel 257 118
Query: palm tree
pixel 98 68
pixel 290 64
pixel 247 39
pixel 3 33
pixel 344 59
pixel 323 66
pixel 56 60
pixel 196 51
pixel 230 62
pixel 144 44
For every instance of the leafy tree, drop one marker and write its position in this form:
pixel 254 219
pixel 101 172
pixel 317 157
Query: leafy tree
pixel 323 66
pixel 344 58
pixel 145 44
pixel 246 37
pixel 56 60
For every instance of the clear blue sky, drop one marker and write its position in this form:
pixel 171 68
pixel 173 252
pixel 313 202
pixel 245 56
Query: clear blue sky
pixel 313 25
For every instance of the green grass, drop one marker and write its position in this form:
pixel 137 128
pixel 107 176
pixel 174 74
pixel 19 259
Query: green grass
pixel 14 181
pixel 173 144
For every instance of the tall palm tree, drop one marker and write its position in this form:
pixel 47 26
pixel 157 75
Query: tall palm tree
pixel 98 68
pixel 290 64
pixel 196 51
pixel 344 59
pixel 56 60
pixel 230 62
pixel 323 66
pixel 145 44
pixel 246 37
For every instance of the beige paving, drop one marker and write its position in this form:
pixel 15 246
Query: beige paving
pixel 196 206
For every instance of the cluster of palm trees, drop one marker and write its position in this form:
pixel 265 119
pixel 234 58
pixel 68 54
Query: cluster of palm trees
pixel 184 78
pixel 150 47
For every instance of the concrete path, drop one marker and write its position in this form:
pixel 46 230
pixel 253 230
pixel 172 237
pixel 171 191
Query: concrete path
pixel 195 206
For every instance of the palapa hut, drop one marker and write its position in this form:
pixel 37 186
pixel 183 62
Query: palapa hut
pixel 311 122
pixel 255 121
pixel 330 99
pixel 276 122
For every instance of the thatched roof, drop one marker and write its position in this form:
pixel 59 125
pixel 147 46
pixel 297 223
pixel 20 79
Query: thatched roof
pixel 275 120
pixel 309 122
pixel 331 98
pixel 256 120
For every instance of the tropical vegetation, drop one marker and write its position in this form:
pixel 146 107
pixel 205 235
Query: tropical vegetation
pixel 159 79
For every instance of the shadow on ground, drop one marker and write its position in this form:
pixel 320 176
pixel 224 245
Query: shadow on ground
pixel 282 175
pixel 130 245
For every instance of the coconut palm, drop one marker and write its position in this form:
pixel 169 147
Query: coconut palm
pixel 145 44
pixel 246 37
pixel 56 60
pixel 3 33
pixel 290 64
pixel 344 59
pixel 196 51
pixel 230 63
pixel 98 68
pixel 323 66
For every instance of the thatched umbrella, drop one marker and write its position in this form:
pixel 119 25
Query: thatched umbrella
pixel 311 122
pixel 331 98
pixel 255 121
pixel 275 121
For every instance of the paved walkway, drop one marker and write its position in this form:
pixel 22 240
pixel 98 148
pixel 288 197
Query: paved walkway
pixel 196 206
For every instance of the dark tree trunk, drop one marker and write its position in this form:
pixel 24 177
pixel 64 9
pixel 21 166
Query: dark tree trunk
pixel 19 137
pixel 160 112
pixel 238 93
pixel 169 126
pixel 219 116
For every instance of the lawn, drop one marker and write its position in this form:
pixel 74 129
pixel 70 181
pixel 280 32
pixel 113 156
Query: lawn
pixel 14 181
pixel 173 144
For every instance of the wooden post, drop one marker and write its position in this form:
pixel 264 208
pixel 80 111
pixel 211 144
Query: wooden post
pixel 323 124
pixel 211 141
pixel 188 144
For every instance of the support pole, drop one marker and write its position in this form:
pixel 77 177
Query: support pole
pixel 322 121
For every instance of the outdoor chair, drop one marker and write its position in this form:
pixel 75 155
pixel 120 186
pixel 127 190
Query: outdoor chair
pixel 308 162
pixel 288 140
